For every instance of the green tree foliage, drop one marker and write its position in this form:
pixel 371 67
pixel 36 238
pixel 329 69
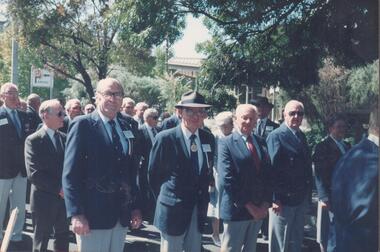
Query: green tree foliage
pixel 263 43
pixel 77 36
pixel 172 89
pixel 364 85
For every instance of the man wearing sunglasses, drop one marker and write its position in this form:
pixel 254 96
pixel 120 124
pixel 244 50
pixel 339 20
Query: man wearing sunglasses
pixel 148 132
pixel 180 172
pixel 44 153
pixel 292 180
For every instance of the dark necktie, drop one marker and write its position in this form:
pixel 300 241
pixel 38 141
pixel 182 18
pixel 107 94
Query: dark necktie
pixel 58 144
pixel 260 128
pixel 116 144
pixel 194 153
pixel 154 132
pixel 254 153
pixel 16 122
pixel 300 136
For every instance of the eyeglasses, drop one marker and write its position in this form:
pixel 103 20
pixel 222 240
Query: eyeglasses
pixel 190 112
pixel 154 117
pixel 293 113
pixel 11 93
pixel 117 95
pixel 60 114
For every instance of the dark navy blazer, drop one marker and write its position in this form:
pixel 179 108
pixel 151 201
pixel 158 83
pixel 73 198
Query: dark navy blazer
pixel 291 166
pixel 175 183
pixel 325 157
pixel 12 145
pixel 240 179
pixel 354 198
pixel 91 184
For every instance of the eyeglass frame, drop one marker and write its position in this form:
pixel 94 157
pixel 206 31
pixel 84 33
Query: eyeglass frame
pixel 116 95
pixel 293 113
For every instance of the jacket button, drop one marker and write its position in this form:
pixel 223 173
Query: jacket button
pixel 200 192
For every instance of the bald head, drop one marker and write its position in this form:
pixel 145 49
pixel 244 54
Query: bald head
pixel 106 83
pixel 9 94
pixel 246 118
pixel 34 101
pixel 293 114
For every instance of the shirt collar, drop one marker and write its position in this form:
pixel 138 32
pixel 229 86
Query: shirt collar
pixel 104 118
pixel 264 120
pixel 147 126
pixel 374 139
pixel 9 110
pixel 49 131
pixel 187 132
pixel 242 135
pixel 292 130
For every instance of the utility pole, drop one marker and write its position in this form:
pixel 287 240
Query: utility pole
pixel 14 65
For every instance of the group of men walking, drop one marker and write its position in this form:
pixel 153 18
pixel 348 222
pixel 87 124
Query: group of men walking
pixel 98 177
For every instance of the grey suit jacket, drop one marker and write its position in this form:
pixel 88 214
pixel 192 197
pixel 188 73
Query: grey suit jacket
pixel 43 164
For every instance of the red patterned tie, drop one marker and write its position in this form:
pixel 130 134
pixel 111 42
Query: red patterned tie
pixel 253 151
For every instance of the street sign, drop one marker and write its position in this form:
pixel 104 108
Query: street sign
pixel 41 77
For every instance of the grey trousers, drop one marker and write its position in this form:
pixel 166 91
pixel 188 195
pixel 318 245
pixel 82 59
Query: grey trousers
pixel 190 241
pixel 286 229
pixel 240 235
pixel 103 240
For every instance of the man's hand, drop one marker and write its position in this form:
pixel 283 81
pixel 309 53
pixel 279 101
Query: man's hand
pixel 325 204
pixel 257 213
pixel 61 193
pixel 80 225
pixel 277 207
pixel 136 219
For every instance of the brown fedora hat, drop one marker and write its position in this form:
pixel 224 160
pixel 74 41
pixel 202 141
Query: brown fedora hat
pixel 192 99
pixel 260 101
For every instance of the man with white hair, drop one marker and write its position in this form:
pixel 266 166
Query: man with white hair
pixel 14 127
pixel 34 102
pixel 292 180
pixel 99 181
pixel 243 166
pixel 128 106
pixel 139 112
pixel 148 132
pixel 44 152
pixel 73 109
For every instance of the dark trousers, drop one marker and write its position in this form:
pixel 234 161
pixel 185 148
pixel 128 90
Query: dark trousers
pixel 49 214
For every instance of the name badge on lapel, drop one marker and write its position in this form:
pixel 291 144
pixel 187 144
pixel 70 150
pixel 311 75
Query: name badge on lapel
pixel 3 121
pixel 268 128
pixel 206 147
pixel 128 134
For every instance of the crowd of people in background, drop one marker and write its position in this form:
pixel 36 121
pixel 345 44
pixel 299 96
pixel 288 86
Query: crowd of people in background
pixel 115 165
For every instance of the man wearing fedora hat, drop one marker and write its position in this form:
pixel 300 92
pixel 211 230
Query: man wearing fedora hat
pixel 264 126
pixel 180 171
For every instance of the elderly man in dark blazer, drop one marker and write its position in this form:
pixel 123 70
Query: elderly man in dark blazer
pixel 148 132
pixel 264 125
pixel 14 127
pixel 327 153
pixel 44 152
pixel 292 180
pixel 180 172
pixel 34 102
pixel 355 194
pixel 99 181
pixel 243 166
